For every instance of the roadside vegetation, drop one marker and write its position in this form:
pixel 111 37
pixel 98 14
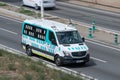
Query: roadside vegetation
pixel 15 67
pixel 26 12
pixel 3 4
pixel 21 10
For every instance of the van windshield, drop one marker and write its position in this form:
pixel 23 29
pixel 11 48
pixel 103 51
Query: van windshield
pixel 69 37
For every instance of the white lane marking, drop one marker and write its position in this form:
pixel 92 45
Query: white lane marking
pixel 103 45
pixel 11 19
pixel 99 59
pixel 8 31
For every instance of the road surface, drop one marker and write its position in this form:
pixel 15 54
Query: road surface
pixel 104 63
pixel 82 14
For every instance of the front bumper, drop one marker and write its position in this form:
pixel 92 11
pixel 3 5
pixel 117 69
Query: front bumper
pixel 70 60
pixel 49 5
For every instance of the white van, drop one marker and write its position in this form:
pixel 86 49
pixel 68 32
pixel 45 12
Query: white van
pixel 36 3
pixel 55 41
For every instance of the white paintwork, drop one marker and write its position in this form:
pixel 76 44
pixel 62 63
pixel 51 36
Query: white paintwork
pixel 51 25
pixel 56 27
pixel 46 3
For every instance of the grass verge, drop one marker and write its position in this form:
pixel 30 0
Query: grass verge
pixel 3 4
pixel 26 12
pixel 15 67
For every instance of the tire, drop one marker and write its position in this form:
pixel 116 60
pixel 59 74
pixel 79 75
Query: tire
pixel 58 61
pixel 83 63
pixel 29 51
pixel 53 8
pixel 36 7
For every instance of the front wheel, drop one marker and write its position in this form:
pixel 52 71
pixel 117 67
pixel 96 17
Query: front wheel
pixel 28 51
pixel 83 63
pixel 58 61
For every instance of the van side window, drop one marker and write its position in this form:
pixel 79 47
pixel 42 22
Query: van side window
pixel 29 30
pixel 40 33
pixel 34 31
pixel 52 38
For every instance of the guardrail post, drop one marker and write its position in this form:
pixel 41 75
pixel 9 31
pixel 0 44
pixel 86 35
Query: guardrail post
pixel 90 33
pixel 115 39
pixel 93 25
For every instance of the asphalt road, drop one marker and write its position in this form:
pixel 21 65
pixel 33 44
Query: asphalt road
pixel 104 63
pixel 82 14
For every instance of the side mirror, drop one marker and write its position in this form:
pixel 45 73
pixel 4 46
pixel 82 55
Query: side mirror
pixel 83 39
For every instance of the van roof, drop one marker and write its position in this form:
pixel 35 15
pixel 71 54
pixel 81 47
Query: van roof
pixel 51 25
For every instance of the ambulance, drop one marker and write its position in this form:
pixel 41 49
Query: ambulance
pixel 53 40
pixel 36 3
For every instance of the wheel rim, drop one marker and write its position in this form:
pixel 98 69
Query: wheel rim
pixel 28 51
pixel 36 7
pixel 58 61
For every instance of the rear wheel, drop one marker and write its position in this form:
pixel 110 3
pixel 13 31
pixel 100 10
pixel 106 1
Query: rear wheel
pixel 36 7
pixel 28 51
pixel 58 61
pixel 52 8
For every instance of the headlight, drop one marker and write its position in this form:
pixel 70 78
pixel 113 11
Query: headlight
pixel 66 53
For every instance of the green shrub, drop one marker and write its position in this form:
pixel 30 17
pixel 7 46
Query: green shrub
pixel 27 12
pixel 3 4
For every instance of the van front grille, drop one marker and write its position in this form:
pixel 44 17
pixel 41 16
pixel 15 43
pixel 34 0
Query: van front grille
pixel 79 54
